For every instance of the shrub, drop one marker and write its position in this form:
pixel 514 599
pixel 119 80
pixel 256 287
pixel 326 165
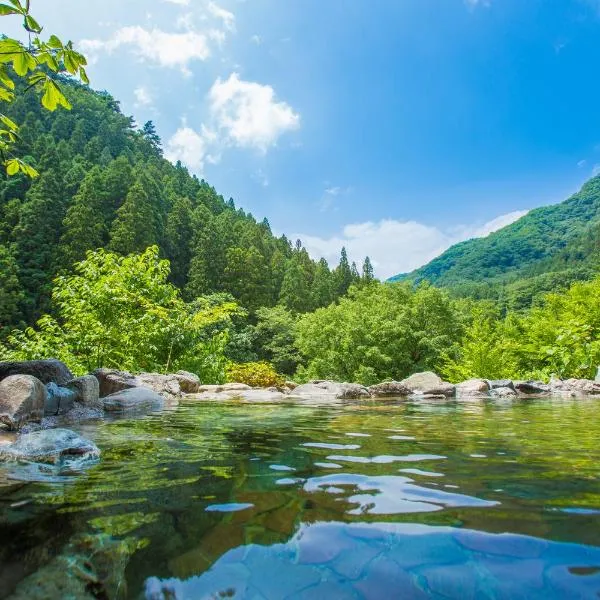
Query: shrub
pixel 255 374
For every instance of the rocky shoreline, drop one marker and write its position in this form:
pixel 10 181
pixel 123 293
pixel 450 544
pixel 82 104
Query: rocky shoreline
pixel 37 397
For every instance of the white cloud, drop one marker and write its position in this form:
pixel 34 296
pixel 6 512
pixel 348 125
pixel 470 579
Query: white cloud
pixel 190 147
pixel 256 39
pixel 397 246
pixel 167 49
pixel 143 96
pixel 180 2
pixel 249 114
pixel 227 17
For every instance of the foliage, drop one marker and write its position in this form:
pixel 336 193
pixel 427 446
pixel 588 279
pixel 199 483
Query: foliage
pixel 254 374
pixel 37 65
pixel 121 312
pixel 275 338
pixel 379 331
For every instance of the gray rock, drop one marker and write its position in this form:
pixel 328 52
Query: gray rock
pixel 472 388
pixel 188 382
pixel 331 389
pixel 87 390
pixel 531 387
pixel 49 446
pixel 291 385
pixel 575 387
pixel 44 370
pixel 251 395
pixel 389 389
pixel 22 399
pixel 235 387
pixel 165 385
pixel 500 383
pixel 59 400
pixel 133 399
pixel 428 383
pixel 111 381
pixel 503 392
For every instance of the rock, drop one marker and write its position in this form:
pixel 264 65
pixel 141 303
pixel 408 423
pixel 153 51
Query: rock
pixel 87 391
pixel 59 400
pixel 49 446
pixel 291 385
pixel 389 389
pixel 342 391
pixel 472 388
pixel 188 382
pixel 235 387
pixel 531 387
pixel 500 383
pixel 428 383
pixel 22 399
pixel 428 397
pixel 251 395
pixel 165 385
pixel 576 387
pixel 503 392
pixel 44 370
pixel 111 381
pixel 131 399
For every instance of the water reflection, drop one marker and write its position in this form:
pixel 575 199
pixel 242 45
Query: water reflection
pixel 385 560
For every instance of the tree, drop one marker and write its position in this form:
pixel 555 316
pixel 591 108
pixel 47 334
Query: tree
pixel 343 275
pixel 367 271
pixel 133 229
pixel 275 338
pixel 37 64
pixel 121 312
pixel 11 293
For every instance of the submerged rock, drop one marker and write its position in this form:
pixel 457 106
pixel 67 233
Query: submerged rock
pixel 87 391
pixel 22 399
pixel 49 446
pixel 44 370
pixel 133 399
pixel 503 392
pixel 59 400
pixel 389 389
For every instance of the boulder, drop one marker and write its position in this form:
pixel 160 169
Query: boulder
pixel 235 387
pixel 44 370
pixel 49 446
pixel 500 383
pixel 472 388
pixel 188 382
pixel 111 381
pixel 503 392
pixel 331 389
pixel 87 391
pixel 389 389
pixel 291 385
pixel 59 400
pixel 22 399
pixel 165 385
pixel 133 399
pixel 531 387
pixel 428 383
pixel 575 387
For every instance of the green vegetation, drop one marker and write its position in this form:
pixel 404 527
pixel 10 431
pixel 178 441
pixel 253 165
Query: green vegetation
pixel 255 374
pixel 546 250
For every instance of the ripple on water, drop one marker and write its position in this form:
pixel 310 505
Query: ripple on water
pixel 385 459
pixel 281 468
pixel 391 494
pixel 422 472
pixel 328 446
pixel 229 507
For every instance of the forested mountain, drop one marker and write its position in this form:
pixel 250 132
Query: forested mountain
pixel 104 184
pixel 548 248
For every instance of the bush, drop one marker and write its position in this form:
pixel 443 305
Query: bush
pixel 255 374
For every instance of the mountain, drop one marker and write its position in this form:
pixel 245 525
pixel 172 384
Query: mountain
pixel 548 248
pixel 104 184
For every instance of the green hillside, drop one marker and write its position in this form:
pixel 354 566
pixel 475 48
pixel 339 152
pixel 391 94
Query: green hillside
pixel 548 248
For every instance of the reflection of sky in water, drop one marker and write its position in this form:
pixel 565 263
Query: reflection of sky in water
pixel 391 494
pixel 387 560
pixel 385 459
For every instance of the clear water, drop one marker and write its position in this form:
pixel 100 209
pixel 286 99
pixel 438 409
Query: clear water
pixel 484 500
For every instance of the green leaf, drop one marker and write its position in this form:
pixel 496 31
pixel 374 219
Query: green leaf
pixel 47 59
pixel 32 25
pixel 53 97
pixel 7 10
pixel 5 79
pixel 12 166
pixel 23 63
pixel 83 75
pixel 10 124
pixel 55 43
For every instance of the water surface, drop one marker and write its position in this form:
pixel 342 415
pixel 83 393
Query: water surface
pixel 484 500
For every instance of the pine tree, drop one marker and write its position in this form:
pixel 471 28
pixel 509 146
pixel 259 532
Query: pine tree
pixel 322 292
pixel 133 229
pixel 367 271
pixel 295 289
pixel 343 275
pixel 178 239
pixel 11 292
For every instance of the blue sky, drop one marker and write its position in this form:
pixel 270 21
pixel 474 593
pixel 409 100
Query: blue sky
pixel 395 127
